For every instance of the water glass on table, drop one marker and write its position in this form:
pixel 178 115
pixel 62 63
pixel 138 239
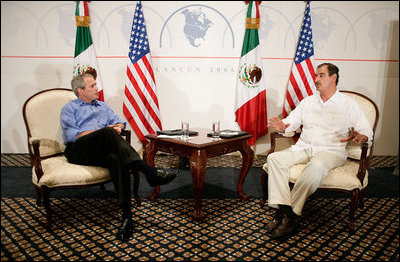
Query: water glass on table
pixel 215 129
pixel 185 130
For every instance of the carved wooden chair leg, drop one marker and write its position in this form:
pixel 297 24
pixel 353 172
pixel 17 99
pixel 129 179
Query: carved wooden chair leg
pixel 264 187
pixel 353 206
pixel 136 180
pixel 361 199
pixel 46 203
pixel 38 196
pixel 102 188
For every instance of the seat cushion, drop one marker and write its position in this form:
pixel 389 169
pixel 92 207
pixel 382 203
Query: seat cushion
pixel 58 172
pixel 343 177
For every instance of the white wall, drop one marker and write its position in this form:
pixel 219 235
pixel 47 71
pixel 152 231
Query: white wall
pixel 198 83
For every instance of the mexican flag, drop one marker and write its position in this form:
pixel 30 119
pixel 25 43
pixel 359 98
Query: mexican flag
pixel 85 54
pixel 251 104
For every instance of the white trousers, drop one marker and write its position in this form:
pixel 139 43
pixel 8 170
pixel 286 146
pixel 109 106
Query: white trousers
pixel 317 167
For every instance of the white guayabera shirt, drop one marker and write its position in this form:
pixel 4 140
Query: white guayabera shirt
pixel 326 123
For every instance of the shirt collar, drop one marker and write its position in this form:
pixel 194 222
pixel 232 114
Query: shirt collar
pixel 333 98
pixel 82 103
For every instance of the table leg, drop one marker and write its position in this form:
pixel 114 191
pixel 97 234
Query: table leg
pixel 198 164
pixel 149 154
pixel 247 157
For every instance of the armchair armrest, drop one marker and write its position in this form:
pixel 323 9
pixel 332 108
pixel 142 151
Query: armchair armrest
pixel 289 134
pixel 275 135
pixel 35 156
pixel 127 134
pixel 33 140
pixel 364 161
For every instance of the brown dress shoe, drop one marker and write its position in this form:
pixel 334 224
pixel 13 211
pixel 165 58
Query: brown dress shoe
pixel 275 222
pixel 286 229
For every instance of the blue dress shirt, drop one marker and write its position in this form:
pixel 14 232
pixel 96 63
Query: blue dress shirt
pixel 78 116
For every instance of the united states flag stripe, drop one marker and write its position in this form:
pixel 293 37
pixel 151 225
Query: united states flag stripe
pixel 311 71
pixel 140 105
pixel 146 62
pixel 148 87
pixel 134 92
pixel 137 112
pixel 295 87
pixel 301 81
pixel 144 91
pixel 129 117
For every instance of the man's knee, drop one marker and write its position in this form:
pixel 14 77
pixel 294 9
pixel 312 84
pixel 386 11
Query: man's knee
pixel 100 135
pixel 109 131
pixel 276 158
pixel 111 157
pixel 317 164
pixel 108 135
pixel 272 157
pixel 112 160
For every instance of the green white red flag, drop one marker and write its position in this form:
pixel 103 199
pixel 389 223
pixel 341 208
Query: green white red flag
pixel 85 54
pixel 251 104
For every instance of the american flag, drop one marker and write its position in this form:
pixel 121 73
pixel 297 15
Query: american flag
pixel 140 104
pixel 301 83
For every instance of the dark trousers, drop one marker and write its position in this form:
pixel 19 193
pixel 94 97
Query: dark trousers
pixel 106 148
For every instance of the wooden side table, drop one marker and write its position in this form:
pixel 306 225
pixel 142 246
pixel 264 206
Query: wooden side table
pixel 197 150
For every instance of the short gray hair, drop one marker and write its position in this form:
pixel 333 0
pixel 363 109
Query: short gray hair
pixel 79 82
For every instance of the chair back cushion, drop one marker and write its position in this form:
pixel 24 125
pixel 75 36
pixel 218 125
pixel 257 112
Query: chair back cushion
pixel 42 119
pixel 370 110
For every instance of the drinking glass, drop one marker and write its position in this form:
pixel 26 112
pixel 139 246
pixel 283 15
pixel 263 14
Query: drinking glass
pixel 185 130
pixel 215 129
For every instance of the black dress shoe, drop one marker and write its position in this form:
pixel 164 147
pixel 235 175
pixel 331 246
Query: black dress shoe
pixel 163 177
pixel 126 230
pixel 286 229
pixel 275 222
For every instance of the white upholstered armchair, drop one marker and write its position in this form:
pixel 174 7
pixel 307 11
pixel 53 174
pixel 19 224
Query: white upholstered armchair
pixel 50 168
pixel 352 177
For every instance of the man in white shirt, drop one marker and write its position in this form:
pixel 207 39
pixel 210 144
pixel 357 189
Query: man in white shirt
pixel 329 119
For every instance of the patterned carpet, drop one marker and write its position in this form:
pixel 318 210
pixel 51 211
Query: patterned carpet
pixel 232 231
pixel 85 228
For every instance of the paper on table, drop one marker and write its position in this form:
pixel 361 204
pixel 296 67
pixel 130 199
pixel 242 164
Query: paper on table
pixel 233 133
pixel 229 133
pixel 167 136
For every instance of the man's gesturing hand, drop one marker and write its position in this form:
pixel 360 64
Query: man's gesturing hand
pixel 277 124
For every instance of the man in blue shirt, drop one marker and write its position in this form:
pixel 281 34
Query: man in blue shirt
pixel 91 132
